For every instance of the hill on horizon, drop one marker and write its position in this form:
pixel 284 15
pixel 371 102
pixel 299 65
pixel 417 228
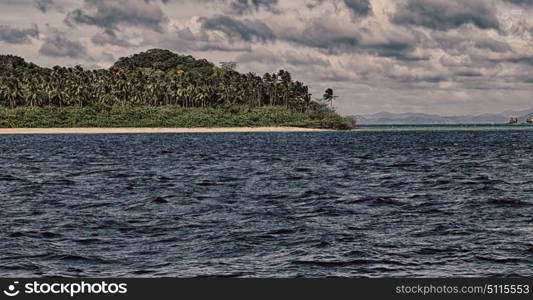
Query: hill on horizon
pixel 388 118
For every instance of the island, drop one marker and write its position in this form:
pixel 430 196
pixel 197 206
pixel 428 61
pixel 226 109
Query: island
pixel 158 89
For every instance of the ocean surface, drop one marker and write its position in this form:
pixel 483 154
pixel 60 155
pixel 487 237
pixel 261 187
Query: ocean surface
pixel 376 202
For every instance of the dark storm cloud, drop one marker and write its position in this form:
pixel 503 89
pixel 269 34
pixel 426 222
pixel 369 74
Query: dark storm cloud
pixel 520 2
pixel 247 6
pixel 525 78
pixel 44 5
pixel 398 50
pixel 336 39
pixel 109 37
pixel 356 7
pixel 468 74
pixel 13 35
pixel 527 60
pixel 245 30
pixel 492 45
pixel 446 15
pixel 237 7
pixel 110 14
pixel 331 38
pixel 418 79
pixel 57 45
pixel 359 7
pixel 326 37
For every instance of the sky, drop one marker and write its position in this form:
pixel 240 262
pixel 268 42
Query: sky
pixel 447 57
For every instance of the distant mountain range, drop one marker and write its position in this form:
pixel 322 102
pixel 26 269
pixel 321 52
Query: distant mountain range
pixel 386 118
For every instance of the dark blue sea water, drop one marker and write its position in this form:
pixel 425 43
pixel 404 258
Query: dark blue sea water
pixel 370 203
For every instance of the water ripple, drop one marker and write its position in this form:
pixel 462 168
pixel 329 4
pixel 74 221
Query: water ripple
pixel 356 204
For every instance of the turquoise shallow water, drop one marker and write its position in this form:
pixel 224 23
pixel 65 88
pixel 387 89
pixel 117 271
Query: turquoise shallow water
pixel 468 127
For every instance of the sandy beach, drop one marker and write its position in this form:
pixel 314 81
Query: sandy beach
pixel 152 130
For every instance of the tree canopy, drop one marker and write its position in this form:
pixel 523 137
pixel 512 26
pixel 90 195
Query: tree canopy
pixel 155 77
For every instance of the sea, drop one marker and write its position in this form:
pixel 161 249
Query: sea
pixel 379 201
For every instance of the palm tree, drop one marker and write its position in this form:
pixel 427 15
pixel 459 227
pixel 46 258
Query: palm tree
pixel 329 97
pixel 153 78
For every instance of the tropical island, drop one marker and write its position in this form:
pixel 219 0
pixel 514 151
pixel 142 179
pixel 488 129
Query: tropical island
pixel 157 88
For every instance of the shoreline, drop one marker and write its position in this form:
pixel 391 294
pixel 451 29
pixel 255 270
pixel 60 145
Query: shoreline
pixel 96 130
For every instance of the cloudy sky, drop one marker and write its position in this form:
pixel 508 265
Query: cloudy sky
pixel 433 56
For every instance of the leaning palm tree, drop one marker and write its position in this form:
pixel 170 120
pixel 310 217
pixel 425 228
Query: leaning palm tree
pixel 329 97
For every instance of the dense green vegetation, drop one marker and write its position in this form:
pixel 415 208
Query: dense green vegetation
pixel 156 88
pixel 166 116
